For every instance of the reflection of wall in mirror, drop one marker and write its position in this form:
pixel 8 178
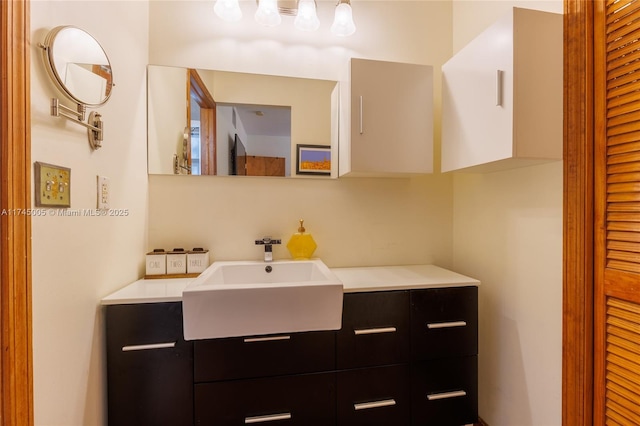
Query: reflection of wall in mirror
pixel 84 84
pixel 229 123
pixel 166 115
pixel 310 102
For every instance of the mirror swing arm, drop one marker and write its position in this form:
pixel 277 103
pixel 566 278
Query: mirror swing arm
pixel 94 122
pixel 80 69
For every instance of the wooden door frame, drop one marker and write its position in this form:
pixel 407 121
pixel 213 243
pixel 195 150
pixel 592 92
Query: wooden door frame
pixel 578 220
pixel 16 384
pixel 202 96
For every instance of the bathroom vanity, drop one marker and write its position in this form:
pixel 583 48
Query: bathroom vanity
pixel 406 355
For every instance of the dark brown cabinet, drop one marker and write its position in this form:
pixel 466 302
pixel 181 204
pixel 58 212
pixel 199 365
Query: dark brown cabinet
pixel 263 356
pixel 149 366
pixel 444 391
pixel 374 396
pixel 300 400
pixel 375 329
pixel 444 322
pixel 402 358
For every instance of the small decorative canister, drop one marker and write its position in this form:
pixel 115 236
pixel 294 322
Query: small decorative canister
pixel 156 262
pixel 177 261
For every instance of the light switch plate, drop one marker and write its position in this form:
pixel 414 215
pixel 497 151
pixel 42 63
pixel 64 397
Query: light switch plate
pixel 104 193
pixel 53 185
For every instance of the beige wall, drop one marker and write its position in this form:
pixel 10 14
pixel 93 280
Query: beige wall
pixel 354 221
pixel 79 260
pixel 166 117
pixel 508 234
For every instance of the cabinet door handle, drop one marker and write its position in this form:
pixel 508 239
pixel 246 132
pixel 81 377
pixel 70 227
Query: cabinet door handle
pixel 446 324
pixel 267 418
pixel 266 339
pixel 374 330
pixel 499 75
pixel 374 404
pixel 445 395
pixel 150 346
pixel 361 115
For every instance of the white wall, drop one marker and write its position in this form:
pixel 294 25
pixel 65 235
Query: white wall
pixel 354 221
pixel 508 234
pixel 166 115
pixel 79 260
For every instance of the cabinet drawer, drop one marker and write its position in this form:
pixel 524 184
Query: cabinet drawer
pixel 263 356
pixel 445 392
pixel 149 366
pixel 375 329
pixel 444 322
pixel 304 400
pixel 140 324
pixel 374 396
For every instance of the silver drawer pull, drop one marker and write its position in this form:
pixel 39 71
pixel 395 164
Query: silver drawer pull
pixel 445 395
pixel 266 339
pixel 374 404
pixel 151 346
pixel 361 116
pixel 375 330
pixel 499 78
pixel 446 324
pixel 267 418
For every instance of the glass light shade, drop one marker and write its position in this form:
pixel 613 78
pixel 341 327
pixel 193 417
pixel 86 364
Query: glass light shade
pixel 307 19
pixel 343 22
pixel 267 13
pixel 228 10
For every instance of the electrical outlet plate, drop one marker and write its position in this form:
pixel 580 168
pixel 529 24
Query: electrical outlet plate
pixel 53 185
pixel 104 193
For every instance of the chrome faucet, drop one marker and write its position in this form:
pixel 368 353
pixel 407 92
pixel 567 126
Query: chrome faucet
pixel 268 243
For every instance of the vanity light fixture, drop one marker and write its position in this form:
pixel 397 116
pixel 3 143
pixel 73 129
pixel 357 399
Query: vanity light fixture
pixel 343 21
pixel 228 10
pixel 307 19
pixel 269 13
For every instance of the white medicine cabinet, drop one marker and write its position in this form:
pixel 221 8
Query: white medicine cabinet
pixel 502 95
pixel 389 116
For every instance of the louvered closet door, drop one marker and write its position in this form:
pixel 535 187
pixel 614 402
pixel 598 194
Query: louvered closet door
pixel 617 183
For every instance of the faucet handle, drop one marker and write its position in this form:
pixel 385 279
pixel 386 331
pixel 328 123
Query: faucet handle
pixel 268 240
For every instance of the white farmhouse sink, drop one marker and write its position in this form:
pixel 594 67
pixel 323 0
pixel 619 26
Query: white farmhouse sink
pixel 243 299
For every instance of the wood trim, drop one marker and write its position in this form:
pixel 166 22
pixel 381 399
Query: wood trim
pixel 600 191
pixel 208 141
pixel 577 345
pixel 16 384
pixel 187 128
pixel 204 98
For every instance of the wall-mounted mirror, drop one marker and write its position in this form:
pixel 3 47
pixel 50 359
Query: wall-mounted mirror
pixel 80 69
pixel 227 123
pixel 78 65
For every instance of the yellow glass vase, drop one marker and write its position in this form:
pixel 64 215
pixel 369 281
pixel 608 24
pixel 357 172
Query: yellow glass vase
pixel 301 245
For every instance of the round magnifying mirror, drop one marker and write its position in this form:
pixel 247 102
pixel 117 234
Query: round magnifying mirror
pixel 78 65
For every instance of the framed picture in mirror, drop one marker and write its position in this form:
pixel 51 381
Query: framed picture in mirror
pixel 313 160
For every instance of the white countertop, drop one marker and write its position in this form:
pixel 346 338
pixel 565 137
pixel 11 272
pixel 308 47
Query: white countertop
pixel 383 278
pixel 149 291
pixel 357 279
